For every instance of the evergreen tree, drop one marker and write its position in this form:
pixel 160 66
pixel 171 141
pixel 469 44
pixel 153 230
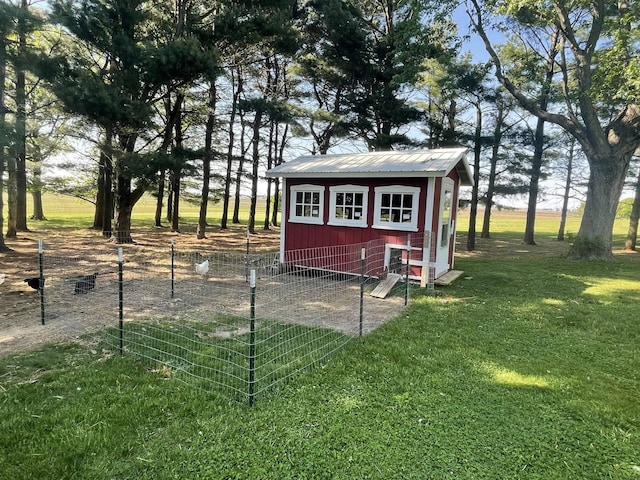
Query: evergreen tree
pixel 122 65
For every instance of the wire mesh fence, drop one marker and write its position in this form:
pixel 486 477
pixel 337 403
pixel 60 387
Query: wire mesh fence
pixel 229 322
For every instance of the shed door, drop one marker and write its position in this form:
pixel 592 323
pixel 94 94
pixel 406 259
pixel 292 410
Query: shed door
pixel 445 228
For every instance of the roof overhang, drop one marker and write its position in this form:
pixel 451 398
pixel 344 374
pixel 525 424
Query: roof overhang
pixel 392 164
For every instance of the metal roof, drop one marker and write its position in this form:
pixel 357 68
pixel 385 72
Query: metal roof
pixel 421 163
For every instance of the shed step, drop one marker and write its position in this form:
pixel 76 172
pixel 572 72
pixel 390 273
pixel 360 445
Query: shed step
pixel 385 286
pixel 449 277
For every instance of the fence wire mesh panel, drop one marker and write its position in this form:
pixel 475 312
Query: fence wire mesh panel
pixel 77 289
pixel 197 316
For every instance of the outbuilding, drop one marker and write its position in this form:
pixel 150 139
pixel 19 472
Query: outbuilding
pixel 391 196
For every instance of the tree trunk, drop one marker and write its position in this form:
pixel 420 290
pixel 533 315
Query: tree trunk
pixel 21 124
pixel 238 186
pixel 276 181
pixel 36 194
pixel 38 209
pixel 104 198
pixel 567 191
pixel 122 232
pixel 206 163
pixel 471 236
pixel 232 119
pixel 595 236
pixel 273 140
pixel 170 202
pixel 125 200
pixel 276 202
pixel 173 113
pixel 177 174
pixel 3 245
pixel 497 137
pixel 534 183
pixel 3 128
pixel 257 121
pixel 159 200
pixel 632 232
pixel 175 207
pixel 12 231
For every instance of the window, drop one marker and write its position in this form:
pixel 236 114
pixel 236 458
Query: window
pixel 447 200
pixel 396 208
pixel 307 204
pixel 348 205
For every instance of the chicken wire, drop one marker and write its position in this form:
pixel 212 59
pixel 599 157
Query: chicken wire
pixel 216 329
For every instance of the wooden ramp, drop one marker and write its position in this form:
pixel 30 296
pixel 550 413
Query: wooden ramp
pixel 385 286
pixel 449 277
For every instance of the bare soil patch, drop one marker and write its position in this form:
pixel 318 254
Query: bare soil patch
pixel 20 323
pixel 69 315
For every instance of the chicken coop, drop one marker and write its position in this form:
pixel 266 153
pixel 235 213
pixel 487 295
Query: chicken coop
pixel 332 200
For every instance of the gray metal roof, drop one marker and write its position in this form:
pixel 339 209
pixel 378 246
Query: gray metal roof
pixel 421 163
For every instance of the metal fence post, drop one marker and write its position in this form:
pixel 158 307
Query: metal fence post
pixel 173 274
pixel 121 300
pixel 406 280
pixel 362 257
pixel 252 338
pixel 41 279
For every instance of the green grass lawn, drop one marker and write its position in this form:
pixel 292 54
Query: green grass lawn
pixel 528 367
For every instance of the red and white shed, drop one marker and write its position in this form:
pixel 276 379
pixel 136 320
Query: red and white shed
pixel 330 200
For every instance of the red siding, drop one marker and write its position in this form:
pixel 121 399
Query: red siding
pixel 298 236
pixel 301 235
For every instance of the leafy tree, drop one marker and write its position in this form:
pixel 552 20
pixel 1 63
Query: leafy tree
pixel 598 68
pixel 131 60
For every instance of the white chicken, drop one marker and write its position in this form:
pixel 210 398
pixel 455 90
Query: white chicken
pixel 202 268
pixel 2 277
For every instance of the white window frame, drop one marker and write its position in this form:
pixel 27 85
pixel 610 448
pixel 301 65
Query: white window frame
pixel 295 189
pixel 446 222
pixel 333 193
pixel 411 226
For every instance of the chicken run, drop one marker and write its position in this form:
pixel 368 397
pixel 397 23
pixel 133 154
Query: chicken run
pixel 210 277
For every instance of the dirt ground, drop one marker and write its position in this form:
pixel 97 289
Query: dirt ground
pixel 20 325
pixel 70 316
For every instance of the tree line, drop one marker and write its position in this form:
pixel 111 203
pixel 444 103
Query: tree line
pixel 197 98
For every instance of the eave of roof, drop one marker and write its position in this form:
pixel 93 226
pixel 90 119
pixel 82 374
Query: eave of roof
pixel 416 163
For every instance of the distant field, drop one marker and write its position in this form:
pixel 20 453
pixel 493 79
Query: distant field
pixel 68 212
pixel 64 211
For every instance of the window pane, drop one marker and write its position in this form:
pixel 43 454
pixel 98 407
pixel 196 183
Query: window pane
pixel 307 211
pixel 298 210
pixel 386 200
pixel 298 197
pixel 444 240
pixel 395 215
pixel 407 201
pixel 339 198
pixel 384 215
pixel 406 216
pixel 357 213
pixel 339 212
pixel 348 213
pixel 316 198
pixel 348 200
pixel 396 200
pixel 358 199
pixel 307 197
